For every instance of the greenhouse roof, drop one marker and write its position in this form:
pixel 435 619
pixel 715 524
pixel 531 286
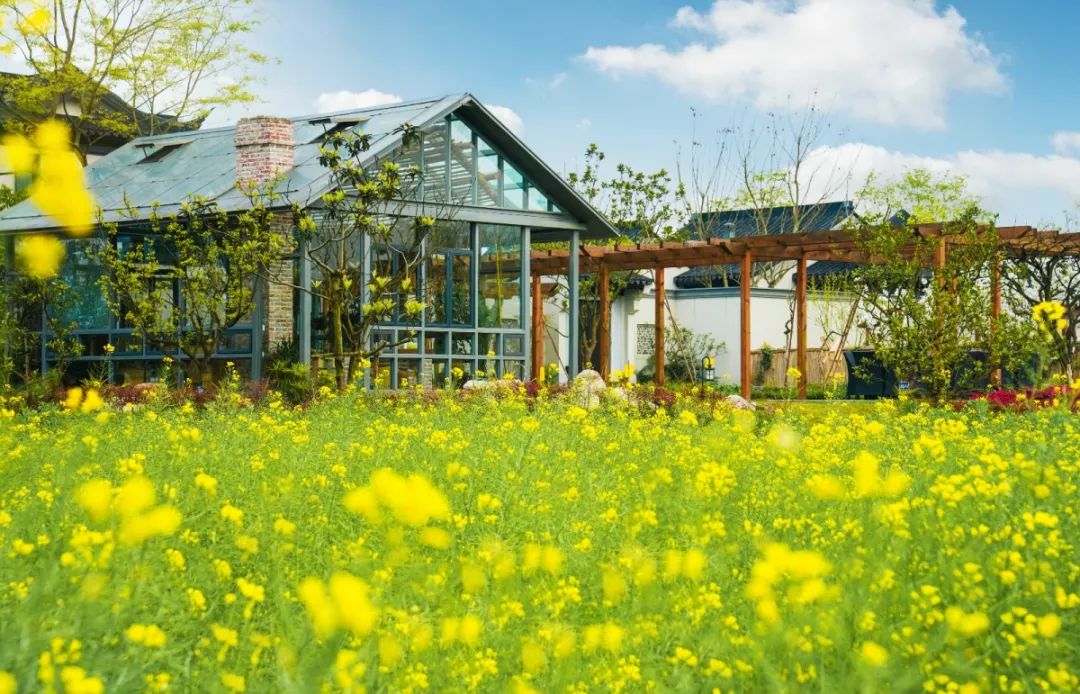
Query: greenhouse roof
pixel 129 185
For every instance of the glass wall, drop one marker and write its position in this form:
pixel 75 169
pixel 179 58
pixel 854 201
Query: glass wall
pixel 448 284
pixel 436 150
pixel 462 163
pixel 500 276
pixel 107 345
pixel 459 167
pixel 488 175
pixel 472 326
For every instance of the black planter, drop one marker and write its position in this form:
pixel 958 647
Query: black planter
pixel 867 378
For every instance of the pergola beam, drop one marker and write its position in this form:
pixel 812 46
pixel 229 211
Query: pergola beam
pixel 816 245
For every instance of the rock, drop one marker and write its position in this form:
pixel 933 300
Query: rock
pixel 587 388
pixel 493 385
pixel 738 402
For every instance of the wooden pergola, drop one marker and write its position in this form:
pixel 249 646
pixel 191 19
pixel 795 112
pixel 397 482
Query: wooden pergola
pixel 798 247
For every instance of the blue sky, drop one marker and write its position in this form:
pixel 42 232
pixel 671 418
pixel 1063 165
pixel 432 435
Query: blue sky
pixel 978 87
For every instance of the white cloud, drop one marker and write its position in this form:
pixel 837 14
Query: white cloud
pixel 888 61
pixel 344 100
pixel 557 81
pixel 584 123
pixel 510 119
pixel 1003 179
pixel 1066 141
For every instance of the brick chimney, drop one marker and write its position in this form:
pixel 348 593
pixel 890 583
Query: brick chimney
pixel 264 149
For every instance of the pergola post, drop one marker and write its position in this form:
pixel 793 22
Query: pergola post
pixel 660 300
pixel 573 332
pixel 800 326
pixel 536 346
pixel 995 314
pixel 605 323
pixel 744 324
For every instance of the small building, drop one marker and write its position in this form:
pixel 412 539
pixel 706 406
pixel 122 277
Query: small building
pixel 504 198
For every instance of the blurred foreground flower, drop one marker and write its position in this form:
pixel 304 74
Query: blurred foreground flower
pixel 40 255
pixel 58 190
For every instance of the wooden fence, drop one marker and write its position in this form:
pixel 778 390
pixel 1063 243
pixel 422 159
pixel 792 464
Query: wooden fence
pixel 818 362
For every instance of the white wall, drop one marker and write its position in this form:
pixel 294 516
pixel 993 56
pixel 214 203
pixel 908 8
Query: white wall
pixel 715 312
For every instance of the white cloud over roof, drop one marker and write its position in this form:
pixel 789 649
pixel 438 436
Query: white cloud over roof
pixel 328 102
pixel 886 61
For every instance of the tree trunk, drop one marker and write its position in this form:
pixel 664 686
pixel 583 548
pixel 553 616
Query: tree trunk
pixel 338 340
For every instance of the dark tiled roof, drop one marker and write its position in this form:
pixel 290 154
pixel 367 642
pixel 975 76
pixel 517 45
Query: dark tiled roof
pixel 638 281
pixel 828 268
pixel 773 220
pixel 708 276
pixel 735 223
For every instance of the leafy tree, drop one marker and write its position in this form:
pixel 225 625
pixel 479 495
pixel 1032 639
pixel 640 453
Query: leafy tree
pixel 168 60
pixel 639 204
pixel 923 318
pixel 1030 279
pixel 363 221
pixel 685 351
pixel 191 276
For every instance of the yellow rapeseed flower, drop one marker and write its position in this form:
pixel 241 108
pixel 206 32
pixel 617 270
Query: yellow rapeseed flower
pixel 1049 625
pixel 874 654
pixel 95 497
pixel 40 255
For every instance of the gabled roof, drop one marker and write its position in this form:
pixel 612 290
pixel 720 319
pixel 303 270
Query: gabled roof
pixel 772 220
pixel 205 165
pixel 775 220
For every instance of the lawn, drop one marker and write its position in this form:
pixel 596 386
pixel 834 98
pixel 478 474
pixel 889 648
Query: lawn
pixel 402 545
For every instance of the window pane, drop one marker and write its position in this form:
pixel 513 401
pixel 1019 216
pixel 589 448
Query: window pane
pixel 500 276
pixel 84 303
pixel 408 373
pixel 407 157
pixel 435 289
pixel 463 343
pixel 513 187
pixel 448 274
pixel 435 343
pixel 489 345
pixel 461 294
pixel 435 163
pixel 537 200
pixel 487 175
pixel 514 368
pixel 440 373
pixel 513 345
pixel 462 156
pixel 461 370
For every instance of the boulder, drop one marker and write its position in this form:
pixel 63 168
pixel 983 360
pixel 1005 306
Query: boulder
pixel 738 402
pixel 588 388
